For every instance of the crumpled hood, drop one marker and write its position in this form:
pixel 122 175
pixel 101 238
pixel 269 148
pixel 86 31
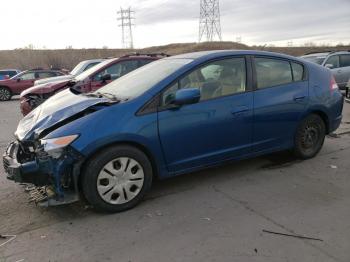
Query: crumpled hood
pixel 54 110
pixel 53 79
pixel 45 88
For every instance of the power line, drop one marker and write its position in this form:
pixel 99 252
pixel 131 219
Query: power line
pixel 126 18
pixel 209 21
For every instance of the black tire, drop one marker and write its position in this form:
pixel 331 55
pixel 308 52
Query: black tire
pixel 95 165
pixel 5 93
pixel 309 137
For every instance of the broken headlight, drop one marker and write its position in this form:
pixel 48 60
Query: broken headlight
pixel 55 146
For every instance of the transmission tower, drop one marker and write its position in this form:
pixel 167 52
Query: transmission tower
pixel 126 18
pixel 209 21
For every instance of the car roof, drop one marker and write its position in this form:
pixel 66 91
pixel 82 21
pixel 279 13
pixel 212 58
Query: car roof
pixel 222 53
pixel 17 70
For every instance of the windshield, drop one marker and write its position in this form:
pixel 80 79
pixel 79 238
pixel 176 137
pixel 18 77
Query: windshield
pixel 18 75
pixel 92 70
pixel 315 59
pixel 76 69
pixel 139 81
pixel 82 64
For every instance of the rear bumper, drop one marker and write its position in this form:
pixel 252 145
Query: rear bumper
pixel 335 124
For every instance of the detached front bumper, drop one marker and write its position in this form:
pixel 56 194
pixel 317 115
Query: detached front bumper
pixel 29 172
pixel 59 176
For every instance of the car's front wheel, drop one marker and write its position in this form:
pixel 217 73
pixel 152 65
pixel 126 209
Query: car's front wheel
pixel 309 137
pixel 5 94
pixel 117 178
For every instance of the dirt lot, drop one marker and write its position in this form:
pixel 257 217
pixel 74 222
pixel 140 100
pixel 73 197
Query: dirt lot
pixel 68 58
pixel 213 215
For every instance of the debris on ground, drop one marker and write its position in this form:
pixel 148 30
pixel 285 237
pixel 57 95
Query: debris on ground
pixel 333 166
pixel 12 237
pixel 206 218
pixel 290 235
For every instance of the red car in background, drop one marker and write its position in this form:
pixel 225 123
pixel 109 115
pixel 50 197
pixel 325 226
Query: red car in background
pixel 18 83
pixel 88 81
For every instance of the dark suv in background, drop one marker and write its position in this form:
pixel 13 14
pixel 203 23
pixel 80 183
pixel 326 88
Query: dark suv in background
pixel 88 81
pixel 337 61
pixel 15 85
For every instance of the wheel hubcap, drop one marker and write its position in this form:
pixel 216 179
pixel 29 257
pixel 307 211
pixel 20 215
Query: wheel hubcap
pixel 120 180
pixel 4 94
pixel 311 137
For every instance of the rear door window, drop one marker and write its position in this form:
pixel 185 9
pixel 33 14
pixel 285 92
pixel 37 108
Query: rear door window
pixel 344 60
pixel 28 76
pixel 272 72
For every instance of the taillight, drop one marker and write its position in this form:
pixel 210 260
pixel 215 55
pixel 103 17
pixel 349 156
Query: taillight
pixel 334 84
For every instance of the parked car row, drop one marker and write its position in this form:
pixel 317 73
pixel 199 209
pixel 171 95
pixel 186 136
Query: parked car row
pixel 109 140
pixel 87 81
pixel 23 80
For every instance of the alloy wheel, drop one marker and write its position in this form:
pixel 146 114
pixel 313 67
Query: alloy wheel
pixel 310 136
pixel 5 94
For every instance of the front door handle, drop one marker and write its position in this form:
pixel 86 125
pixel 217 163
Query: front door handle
pixel 299 98
pixel 239 109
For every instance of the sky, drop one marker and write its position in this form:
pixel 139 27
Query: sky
pixel 93 23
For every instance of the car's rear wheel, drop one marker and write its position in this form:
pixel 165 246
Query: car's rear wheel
pixel 5 94
pixel 117 178
pixel 309 137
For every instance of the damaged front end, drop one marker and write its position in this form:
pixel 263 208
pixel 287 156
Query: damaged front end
pixel 50 167
pixel 50 173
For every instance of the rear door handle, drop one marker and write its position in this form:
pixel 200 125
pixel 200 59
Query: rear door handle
pixel 239 109
pixel 298 98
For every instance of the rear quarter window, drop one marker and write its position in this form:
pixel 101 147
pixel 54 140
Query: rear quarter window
pixel 298 71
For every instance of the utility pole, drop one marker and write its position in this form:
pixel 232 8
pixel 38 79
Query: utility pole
pixel 209 21
pixel 126 18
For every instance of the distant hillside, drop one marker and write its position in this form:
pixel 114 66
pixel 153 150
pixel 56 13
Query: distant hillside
pixel 68 58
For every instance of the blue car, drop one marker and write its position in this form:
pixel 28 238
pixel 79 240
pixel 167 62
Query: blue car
pixel 173 116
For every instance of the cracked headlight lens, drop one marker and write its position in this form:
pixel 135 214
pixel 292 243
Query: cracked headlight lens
pixel 54 146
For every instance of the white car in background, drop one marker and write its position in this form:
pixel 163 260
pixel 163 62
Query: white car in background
pixel 78 69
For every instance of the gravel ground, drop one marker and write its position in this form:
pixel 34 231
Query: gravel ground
pixel 213 215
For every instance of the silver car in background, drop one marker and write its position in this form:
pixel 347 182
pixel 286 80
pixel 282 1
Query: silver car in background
pixel 337 61
pixel 78 69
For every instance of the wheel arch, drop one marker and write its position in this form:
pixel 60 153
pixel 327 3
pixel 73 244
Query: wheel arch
pixel 6 87
pixel 137 145
pixel 324 117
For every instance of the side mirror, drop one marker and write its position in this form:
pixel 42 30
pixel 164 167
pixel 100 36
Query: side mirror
pixel 187 96
pixel 106 77
pixel 330 66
